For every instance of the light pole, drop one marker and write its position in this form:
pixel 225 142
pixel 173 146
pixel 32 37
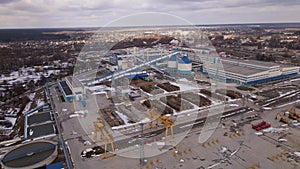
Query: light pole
pixel 142 153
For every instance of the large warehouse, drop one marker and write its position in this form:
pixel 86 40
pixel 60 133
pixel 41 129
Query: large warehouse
pixel 248 72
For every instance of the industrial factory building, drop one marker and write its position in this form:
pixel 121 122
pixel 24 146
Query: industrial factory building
pixel 72 89
pixel 248 72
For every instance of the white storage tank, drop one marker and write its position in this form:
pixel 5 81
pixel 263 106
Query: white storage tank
pixel 172 63
pixel 184 65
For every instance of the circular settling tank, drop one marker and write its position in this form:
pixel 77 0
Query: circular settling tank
pixel 30 155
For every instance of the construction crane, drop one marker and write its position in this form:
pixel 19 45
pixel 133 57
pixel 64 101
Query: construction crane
pixel 154 115
pixel 292 113
pixel 105 136
pixel 282 118
pixel 298 115
pixel 166 121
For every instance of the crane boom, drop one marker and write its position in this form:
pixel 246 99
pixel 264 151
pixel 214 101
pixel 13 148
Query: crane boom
pixel 105 136
pixel 166 121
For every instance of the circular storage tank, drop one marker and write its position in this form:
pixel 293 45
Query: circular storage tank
pixel 30 155
pixel 172 63
pixel 184 65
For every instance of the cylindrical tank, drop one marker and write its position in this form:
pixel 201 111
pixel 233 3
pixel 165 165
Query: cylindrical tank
pixel 172 63
pixel 184 65
pixel 30 155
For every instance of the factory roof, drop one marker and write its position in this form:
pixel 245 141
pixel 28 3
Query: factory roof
pixel 252 62
pixel 73 81
pixel 65 87
pixel 185 60
pixel 245 71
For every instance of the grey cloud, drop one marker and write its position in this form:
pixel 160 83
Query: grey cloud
pixel 7 1
pixel 98 12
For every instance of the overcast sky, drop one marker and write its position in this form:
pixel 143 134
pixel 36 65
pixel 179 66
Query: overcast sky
pixel 95 13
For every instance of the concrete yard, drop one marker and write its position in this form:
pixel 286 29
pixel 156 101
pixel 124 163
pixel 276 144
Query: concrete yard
pixel 223 149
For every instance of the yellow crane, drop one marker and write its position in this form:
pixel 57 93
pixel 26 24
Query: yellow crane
pixel 105 136
pixel 293 116
pixel 292 113
pixel 168 122
pixel 282 118
pixel 154 115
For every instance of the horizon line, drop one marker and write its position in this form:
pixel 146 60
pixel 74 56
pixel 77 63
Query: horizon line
pixel 136 26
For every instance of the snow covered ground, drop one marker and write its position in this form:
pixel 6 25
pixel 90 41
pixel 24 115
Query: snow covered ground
pixel 123 117
pixel 146 120
pixel 40 102
pixel 12 120
pixel 185 86
pixel 26 74
pixel 99 89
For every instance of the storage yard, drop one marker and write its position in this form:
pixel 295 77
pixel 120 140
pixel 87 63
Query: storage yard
pixel 232 145
pixel 173 112
pixel 149 119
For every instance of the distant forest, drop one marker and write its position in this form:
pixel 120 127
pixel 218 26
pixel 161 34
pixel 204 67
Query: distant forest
pixel 11 35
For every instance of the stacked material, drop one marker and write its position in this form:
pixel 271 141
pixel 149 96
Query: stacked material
pixel 111 117
pixel 230 93
pixel 162 109
pixel 168 87
pixel 196 99
pixel 176 103
pixel 213 95
pixel 152 89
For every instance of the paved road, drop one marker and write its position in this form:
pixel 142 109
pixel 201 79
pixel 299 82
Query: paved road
pixel 62 141
pixel 74 142
pixel 180 128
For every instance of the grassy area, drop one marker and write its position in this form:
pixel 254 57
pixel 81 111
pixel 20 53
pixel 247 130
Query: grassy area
pixel 245 88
